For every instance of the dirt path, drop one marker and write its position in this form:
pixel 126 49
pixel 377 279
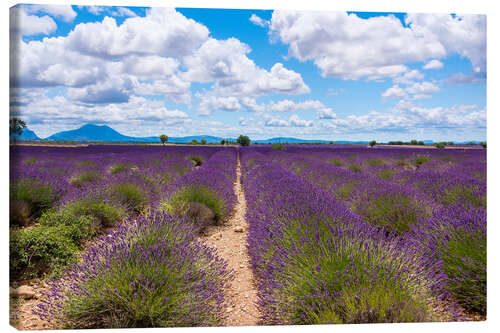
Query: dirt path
pixel 230 239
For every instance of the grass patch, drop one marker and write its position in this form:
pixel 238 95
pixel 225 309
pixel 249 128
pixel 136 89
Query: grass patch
pixel 33 197
pixel 375 162
pixel 89 176
pixel 130 195
pixel 336 161
pixel 354 167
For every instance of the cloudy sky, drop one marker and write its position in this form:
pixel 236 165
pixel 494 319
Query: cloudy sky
pixel 263 73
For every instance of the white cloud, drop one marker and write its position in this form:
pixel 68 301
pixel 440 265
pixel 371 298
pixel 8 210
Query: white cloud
pixel 258 21
pixel 225 62
pixel 251 104
pixel 349 47
pixel 64 12
pixel 210 102
pixel 290 106
pixel 423 88
pixel 111 10
pixel 27 25
pixel 297 122
pixel 408 77
pixel 326 113
pixel 163 32
pixel 461 34
pixel 433 64
pixel 346 46
pixel 394 92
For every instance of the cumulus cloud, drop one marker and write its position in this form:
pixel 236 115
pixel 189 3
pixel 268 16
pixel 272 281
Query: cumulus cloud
pixel 111 10
pixel 23 24
pixel 290 106
pixel 408 77
pixel 433 64
pixel 163 32
pixel 422 88
pixel 64 12
pixel 461 78
pixel 394 92
pixel 346 46
pixel 209 103
pixel 251 104
pixel 225 62
pixel 326 113
pixel 297 122
pixel 258 21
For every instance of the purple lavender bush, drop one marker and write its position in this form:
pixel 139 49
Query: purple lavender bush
pixel 457 239
pixel 316 262
pixel 151 272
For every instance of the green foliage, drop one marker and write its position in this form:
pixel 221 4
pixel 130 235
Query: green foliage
pixel 37 196
pixel 395 212
pixel 372 143
pixel 375 162
pixel 222 142
pixel 179 202
pixel 16 126
pixel 163 138
pixel 203 141
pixel 354 167
pixel 380 293
pixel 78 227
pixel 36 251
pixel 88 176
pixel 440 145
pixel 105 214
pixel 197 160
pixel 483 144
pixel 30 160
pixel 243 140
pixel 121 167
pixel 336 161
pixel 130 195
pixel 460 192
pixel 385 174
pixel 278 146
pixel 421 159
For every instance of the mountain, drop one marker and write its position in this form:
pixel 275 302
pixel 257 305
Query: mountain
pixel 26 135
pixel 90 132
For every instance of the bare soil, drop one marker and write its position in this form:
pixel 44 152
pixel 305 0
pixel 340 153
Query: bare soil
pixel 230 240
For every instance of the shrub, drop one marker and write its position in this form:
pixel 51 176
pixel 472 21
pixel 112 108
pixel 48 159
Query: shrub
pixel 457 239
pixel 121 167
pixel 150 273
pixel 30 160
pixel 78 227
pixel 197 160
pixel 372 143
pixel 105 214
pixel 440 145
pixel 461 193
pixel 38 250
pixel 20 213
pixel 181 203
pixel 421 159
pixel 385 174
pixel 336 161
pixel 130 195
pixel 354 167
pixel 278 146
pixel 86 177
pixel 36 195
pixel 375 162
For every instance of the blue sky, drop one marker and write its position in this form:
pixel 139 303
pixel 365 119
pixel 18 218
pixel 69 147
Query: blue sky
pixel 312 75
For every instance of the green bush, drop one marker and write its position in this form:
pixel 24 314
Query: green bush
pixel 130 195
pixel 336 161
pixel 36 251
pixel 278 146
pixel 354 167
pixel 121 167
pixel 37 196
pixel 197 160
pixel 78 227
pixel 440 145
pixel 180 202
pixel 85 177
pixel 421 159
pixel 375 162
pixel 106 214
pixel 385 174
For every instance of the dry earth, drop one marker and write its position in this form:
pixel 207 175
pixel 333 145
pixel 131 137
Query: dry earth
pixel 230 240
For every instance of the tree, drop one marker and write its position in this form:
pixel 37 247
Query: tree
pixel 16 126
pixel 163 138
pixel 243 140
pixel 420 143
pixel 440 145
pixel 222 142
pixel 483 144
pixel 194 142
pixel 372 143
pixel 203 141
pixel 414 142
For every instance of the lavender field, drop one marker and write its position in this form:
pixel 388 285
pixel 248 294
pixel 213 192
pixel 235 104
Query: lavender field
pixel 115 236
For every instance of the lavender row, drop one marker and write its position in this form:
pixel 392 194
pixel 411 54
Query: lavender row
pixel 318 262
